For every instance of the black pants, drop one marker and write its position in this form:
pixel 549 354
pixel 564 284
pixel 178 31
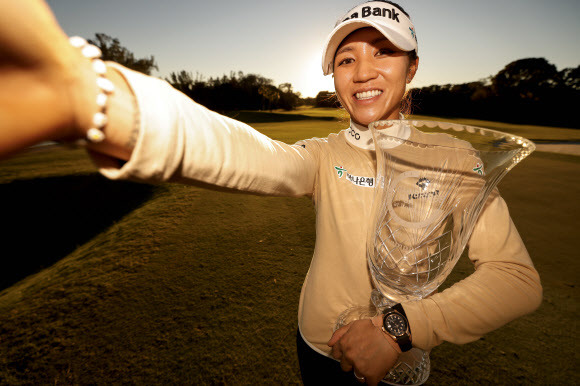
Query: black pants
pixel 317 369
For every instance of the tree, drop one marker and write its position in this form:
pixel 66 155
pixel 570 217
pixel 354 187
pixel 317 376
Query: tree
pixel 570 78
pixel 289 100
pixel 270 94
pixel 113 50
pixel 238 91
pixel 528 90
pixel 526 78
pixel 182 81
pixel 285 88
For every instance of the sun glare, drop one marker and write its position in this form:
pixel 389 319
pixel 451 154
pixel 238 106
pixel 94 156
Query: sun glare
pixel 314 81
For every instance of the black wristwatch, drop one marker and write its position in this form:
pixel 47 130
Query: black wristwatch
pixel 396 325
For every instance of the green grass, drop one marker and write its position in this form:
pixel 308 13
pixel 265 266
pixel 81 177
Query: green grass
pixel 181 285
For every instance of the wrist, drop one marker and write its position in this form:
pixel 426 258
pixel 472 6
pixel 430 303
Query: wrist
pixel 82 92
pixel 378 323
pixel 123 125
pixel 105 108
pixel 392 343
pixel 396 325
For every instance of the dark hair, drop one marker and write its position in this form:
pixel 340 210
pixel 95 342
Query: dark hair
pixel 407 103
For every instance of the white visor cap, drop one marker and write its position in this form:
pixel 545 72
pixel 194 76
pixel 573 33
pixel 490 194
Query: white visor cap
pixel 385 17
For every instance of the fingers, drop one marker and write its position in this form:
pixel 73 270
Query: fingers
pixel 337 335
pixel 377 320
pixel 364 377
pixel 346 365
pixel 338 352
pixel 361 346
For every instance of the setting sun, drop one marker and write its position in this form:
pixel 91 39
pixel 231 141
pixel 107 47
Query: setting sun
pixel 314 80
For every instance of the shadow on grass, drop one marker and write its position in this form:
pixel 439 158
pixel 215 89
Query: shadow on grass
pixel 264 117
pixel 46 219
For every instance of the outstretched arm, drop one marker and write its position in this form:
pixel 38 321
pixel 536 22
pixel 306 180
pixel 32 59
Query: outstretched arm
pixel 49 93
pixel 49 89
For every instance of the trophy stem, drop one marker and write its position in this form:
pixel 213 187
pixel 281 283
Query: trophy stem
pixel 379 301
pixel 355 313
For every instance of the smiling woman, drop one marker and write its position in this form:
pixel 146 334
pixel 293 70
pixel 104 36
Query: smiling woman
pixel 150 132
pixel 370 76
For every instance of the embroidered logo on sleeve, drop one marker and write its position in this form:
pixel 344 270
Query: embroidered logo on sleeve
pixel 366 182
pixel 478 169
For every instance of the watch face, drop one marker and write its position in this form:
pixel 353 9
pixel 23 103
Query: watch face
pixel 395 324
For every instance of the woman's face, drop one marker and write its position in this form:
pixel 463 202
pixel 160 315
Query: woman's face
pixel 370 76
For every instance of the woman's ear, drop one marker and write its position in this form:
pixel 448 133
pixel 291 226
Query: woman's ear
pixel 413 66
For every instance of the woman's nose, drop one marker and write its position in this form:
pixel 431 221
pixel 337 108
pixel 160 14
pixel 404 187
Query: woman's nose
pixel 365 71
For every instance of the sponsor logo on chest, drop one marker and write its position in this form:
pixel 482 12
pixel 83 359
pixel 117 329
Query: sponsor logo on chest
pixel 365 182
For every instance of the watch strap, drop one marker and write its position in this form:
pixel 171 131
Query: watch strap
pixel 398 307
pixel 404 341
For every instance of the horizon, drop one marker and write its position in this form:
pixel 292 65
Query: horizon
pixel 284 42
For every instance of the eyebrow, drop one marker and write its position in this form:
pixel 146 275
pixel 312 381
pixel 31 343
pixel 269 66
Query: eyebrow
pixel 374 42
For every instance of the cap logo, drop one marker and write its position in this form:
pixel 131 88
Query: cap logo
pixel 376 11
pixel 413 33
pixel 390 20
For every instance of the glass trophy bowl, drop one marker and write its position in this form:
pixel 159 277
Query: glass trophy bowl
pixel 432 181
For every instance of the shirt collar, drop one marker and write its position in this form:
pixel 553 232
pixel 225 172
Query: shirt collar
pixel 361 136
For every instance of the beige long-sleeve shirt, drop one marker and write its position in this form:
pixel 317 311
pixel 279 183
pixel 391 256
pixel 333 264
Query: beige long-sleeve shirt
pixel 181 140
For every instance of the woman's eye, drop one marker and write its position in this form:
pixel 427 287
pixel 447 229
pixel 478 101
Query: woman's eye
pixel 385 51
pixel 345 61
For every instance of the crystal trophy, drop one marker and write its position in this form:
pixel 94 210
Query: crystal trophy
pixel 432 182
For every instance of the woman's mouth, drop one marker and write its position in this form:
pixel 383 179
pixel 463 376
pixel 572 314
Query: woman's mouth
pixel 361 96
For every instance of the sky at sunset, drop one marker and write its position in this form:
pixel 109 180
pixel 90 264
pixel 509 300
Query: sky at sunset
pixel 459 41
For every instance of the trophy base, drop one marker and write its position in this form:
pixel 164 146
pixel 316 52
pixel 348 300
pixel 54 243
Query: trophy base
pixel 413 366
pixel 355 313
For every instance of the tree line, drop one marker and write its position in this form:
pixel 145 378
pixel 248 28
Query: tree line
pixel 528 90
pixel 238 91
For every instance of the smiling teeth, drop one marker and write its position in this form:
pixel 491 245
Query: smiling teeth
pixel 368 94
